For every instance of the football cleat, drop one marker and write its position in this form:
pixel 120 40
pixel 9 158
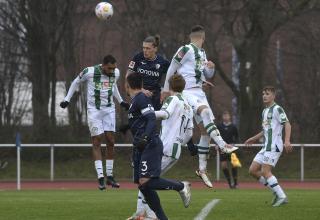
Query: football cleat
pixel 275 198
pixel 185 194
pixel 229 150
pixel 280 201
pixel 102 185
pixel 204 177
pixel 112 182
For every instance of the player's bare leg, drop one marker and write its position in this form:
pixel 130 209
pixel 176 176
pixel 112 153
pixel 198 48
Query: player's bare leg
pixel 97 157
pixel 109 135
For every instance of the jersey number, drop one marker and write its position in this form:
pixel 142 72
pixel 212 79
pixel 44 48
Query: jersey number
pixel 144 166
pixel 184 124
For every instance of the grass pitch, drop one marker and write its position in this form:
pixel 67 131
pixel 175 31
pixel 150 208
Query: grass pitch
pixel 119 204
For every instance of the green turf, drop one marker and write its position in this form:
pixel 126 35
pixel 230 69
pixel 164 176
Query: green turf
pixel 119 204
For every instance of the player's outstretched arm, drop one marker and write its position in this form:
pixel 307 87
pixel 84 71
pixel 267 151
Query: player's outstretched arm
pixel 253 139
pixel 117 95
pixel 287 136
pixel 174 66
pixel 74 86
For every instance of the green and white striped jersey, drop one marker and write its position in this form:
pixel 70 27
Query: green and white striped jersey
pixel 192 62
pixel 273 119
pixel 100 87
pixel 180 118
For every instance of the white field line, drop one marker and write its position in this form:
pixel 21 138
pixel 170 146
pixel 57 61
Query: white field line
pixel 206 210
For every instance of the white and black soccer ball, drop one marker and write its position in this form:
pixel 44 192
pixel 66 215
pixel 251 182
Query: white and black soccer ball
pixel 104 10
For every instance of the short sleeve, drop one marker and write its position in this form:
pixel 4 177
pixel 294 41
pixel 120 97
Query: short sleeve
pixel 143 103
pixel 281 115
pixel 84 74
pixel 182 55
pixel 169 105
pixel 116 74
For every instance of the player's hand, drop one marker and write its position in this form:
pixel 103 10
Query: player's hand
pixel 210 64
pixel 164 95
pixel 249 142
pixel 125 105
pixel 207 84
pixel 147 92
pixel 288 146
pixel 64 104
pixel 141 142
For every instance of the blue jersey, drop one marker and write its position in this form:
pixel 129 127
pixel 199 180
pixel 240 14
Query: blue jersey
pixel 152 70
pixel 141 116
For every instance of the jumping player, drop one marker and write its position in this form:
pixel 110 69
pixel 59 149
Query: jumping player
pixel 152 68
pixel 101 87
pixel 190 61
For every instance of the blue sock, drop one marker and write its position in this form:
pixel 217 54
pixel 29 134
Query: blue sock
pixel 153 201
pixel 164 184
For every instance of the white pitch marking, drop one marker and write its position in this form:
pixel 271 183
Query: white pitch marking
pixel 206 210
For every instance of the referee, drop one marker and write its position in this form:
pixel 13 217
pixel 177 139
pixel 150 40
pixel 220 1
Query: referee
pixel 229 133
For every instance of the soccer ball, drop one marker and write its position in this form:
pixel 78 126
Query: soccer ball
pixel 104 10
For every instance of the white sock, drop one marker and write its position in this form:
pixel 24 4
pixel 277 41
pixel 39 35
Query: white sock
pixel 202 162
pixel 109 167
pixel 140 204
pixel 203 150
pixel 263 181
pixel 99 168
pixel 275 187
pixel 212 130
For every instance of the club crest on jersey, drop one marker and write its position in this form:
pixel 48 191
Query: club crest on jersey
pixel 131 64
pixel 157 66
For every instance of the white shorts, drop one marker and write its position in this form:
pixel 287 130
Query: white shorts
pixel 172 150
pixel 196 98
pixel 267 157
pixel 101 120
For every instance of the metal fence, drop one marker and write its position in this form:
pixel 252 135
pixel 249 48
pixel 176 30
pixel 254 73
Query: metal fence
pixel 53 146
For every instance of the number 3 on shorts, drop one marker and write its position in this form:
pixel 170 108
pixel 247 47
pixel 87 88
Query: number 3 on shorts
pixel 144 166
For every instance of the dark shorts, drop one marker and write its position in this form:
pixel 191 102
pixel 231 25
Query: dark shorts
pixel 147 164
pixel 225 157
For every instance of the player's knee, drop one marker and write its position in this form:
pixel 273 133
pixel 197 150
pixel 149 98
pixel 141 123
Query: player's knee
pixel 253 172
pixel 266 174
pixel 96 142
pixel 201 109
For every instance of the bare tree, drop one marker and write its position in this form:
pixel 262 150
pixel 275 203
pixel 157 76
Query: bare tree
pixel 39 24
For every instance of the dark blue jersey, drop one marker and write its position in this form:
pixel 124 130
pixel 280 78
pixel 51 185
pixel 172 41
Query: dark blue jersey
pixel 152 70
pixel 228 132
pixel 141 116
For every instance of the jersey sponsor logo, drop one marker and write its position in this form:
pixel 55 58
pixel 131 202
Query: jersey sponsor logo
pixel 148 72
pixel 103 85
pixel 131 64
pixel 181 54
